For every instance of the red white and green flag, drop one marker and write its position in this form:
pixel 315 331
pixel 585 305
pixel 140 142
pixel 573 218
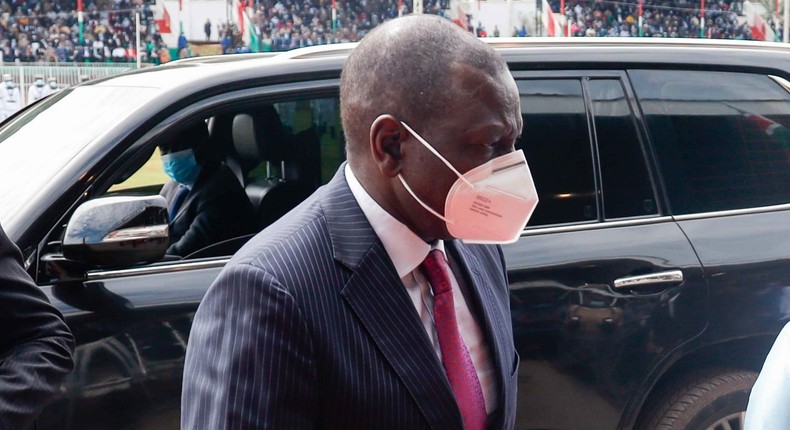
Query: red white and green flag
pixel 552 24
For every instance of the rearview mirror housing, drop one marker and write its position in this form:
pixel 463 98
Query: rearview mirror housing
pixel 118 231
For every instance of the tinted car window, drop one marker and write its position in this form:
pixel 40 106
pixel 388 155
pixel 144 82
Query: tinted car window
pixel 556 141
pixel 627 190
pixel 721 139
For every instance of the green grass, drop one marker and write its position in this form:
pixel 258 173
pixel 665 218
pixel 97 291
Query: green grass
pixel 150 174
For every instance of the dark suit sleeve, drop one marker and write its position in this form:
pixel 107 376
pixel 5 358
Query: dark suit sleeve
pixel 250 360
pixel 35 343
pixel 202 231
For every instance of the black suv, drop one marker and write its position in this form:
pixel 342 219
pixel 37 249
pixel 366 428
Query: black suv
pixel 645 292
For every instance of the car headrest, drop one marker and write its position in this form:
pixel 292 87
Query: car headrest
pixel 220 130
pixel 259 134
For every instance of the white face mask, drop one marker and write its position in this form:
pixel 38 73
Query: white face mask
pixel 489 204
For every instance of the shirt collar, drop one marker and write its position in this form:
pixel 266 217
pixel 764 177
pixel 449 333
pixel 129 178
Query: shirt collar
pixel 404 247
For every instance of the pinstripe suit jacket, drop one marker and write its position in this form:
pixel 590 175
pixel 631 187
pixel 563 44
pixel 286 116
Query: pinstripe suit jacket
pixel 309 326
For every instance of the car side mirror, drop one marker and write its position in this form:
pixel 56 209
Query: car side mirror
pixel 117 231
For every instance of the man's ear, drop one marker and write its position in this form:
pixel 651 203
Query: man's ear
pixel 386 136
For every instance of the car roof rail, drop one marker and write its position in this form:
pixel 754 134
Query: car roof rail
pixel 318 51
pixel 522 42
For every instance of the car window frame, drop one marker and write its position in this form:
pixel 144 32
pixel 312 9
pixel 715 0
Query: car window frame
pixel 140 148
pixel 772 74
pixel 658 190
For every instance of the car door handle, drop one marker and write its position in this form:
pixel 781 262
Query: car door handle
pixel 670 277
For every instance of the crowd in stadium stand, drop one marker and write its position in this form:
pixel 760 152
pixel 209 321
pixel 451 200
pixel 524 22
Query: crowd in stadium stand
pixel 288 24
pixel 48 31
pixel 661 18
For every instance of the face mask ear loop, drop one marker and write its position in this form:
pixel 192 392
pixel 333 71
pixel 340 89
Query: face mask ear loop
pixel 427 208
pixel 436 153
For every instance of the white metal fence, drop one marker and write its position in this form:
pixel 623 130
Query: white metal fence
pixel 67 74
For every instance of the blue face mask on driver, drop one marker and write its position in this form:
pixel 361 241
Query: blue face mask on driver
pixel 181 166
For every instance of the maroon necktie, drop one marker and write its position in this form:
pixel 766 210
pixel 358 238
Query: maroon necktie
pixel 455 357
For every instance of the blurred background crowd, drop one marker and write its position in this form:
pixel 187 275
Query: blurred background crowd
pixel 48 30
pixel 661 18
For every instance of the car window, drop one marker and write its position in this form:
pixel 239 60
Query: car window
pixel 256 163
pixel 150 175
pixel 721 138
pixel 556 142
pixel 626 186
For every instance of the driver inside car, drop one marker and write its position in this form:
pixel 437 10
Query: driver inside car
pixel 206 203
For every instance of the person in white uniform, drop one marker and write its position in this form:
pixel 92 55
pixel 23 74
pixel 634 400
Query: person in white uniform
pixel 12 100
pixel 38 90
pixel 52 85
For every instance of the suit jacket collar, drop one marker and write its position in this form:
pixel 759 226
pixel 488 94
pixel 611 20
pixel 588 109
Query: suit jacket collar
pixel 351 234
pixel 379 299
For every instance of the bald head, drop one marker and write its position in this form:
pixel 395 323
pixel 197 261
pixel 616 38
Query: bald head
pixel 407 67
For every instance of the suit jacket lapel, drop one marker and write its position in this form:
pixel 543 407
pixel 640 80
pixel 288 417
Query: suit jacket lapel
pixel 495 325
pixel 379 299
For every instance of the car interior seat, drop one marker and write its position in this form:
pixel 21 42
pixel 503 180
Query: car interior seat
pixel 220 129
pixel 259 137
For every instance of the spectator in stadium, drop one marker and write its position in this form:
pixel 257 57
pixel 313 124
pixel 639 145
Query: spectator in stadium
pixel 205 200
pixel 207 29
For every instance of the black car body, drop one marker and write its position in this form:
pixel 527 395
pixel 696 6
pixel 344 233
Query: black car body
pixel 656 261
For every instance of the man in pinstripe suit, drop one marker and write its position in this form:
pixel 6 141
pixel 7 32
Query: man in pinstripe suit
pixel 326 319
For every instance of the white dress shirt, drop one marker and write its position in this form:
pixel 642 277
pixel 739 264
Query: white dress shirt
pixel 407 251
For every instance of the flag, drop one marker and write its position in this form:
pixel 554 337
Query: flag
pixel 774 130
pixel 241 6
pixel 248 31
pixel 757 24
pixel 553 28
pixel 161 18
pixel 771 128
pixel 334 16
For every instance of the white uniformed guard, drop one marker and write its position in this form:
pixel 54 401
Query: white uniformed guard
pixel 12 101
pixel 38 90
pixel 52 85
